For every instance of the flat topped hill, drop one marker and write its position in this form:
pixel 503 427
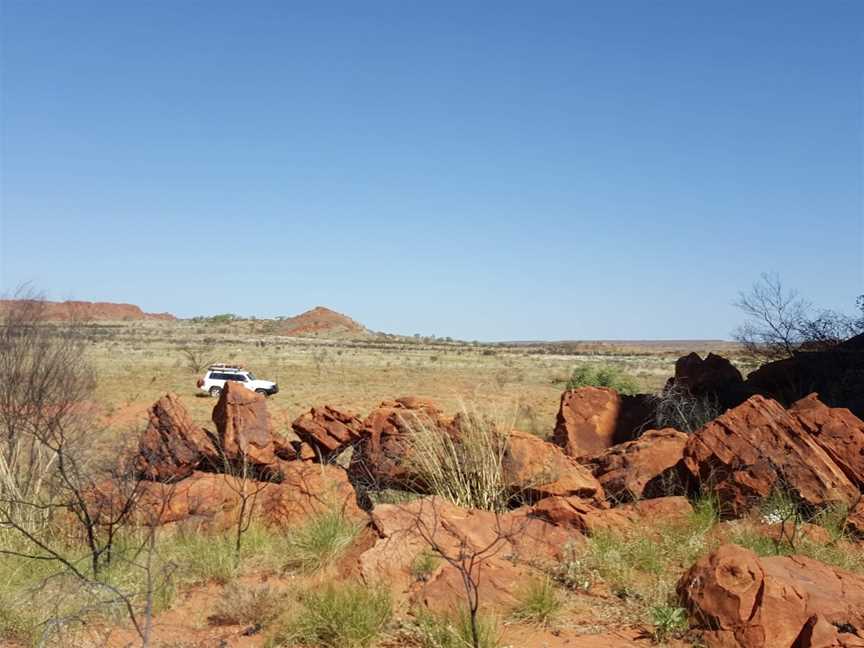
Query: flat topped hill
pixel 85 310
pixel 322 322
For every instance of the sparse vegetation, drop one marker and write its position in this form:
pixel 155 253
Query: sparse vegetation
pixel 424 564
pixel 320 540
pixel 539 602
pixel 588 375
pixel 347 615
pixel 251 605
pixel 454 630
pixel 677 408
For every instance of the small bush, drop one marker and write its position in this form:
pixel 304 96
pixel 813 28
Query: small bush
pixel 346 615
pixel 241 605
pixel 677 408
pixel 603 376
pixel 424 564
pixel 454 630
pixel 538 603
pixel 668 621
pixel 320 541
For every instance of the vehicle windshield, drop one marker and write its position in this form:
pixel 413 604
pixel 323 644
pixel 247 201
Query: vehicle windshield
pixel 251 375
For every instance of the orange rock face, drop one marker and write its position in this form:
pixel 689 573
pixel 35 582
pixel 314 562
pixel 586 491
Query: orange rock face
pixel 645 467
pixel 536 469
pixel 757 447
pixel 243 427
pixel 592 419
pixel 84 310
pixel 742 601
pixel 837 431
pixel 327 429
pixel 585 517
pixel 172 446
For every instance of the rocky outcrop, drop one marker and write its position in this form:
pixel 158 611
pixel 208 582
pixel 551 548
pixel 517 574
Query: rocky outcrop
pixel 713 377
pixel 742 601
pixel 172 446
pixel 757 448
pixel 837 431
pixel 645 467
pixel 535 469
pixel 588 518
pixel 321 322
pixel 244 431
pixel 592 419
pixel 505 542
pixel 210 501
pixel 87 311
pixel 327 430
pixel 382 458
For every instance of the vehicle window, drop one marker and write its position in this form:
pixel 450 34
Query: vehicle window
pixel 219 376
pixel 251 376
pixel 239 377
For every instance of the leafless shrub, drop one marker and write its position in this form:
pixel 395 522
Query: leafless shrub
pixel 196 358
pixel 678 408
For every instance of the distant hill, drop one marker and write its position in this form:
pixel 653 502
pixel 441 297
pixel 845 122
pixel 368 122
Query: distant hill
pixel 84 310
pixel 321 322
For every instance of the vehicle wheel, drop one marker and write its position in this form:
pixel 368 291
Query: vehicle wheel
pixel 215 392
pixel 263 392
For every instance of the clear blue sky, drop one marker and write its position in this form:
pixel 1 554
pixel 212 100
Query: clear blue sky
pixel 488 170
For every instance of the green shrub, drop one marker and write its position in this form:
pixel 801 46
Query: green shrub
pixel 668 621
pixel 424 564
pixel 602 376
pixel 538 603
pixel 346 615
pixel 320 541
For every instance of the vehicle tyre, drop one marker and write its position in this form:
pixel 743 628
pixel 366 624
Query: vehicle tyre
pixel 263 392
pixel 215 392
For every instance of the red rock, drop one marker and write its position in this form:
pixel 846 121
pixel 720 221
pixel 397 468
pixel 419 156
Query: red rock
pixel 645 467
pixel 758 447
pixel 328 430
pixel 381 458
pixel 838 431
pixel 404 531
pixel 587 518
pixel 172 446
pixel 88 311
pixel 243 427
pixel 535 469
pixel 742 601
pixel 713 375
pixel 211 501
pixel 592 419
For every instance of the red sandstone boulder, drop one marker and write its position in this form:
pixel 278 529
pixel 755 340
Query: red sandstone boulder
pixel 714 377
pixel 758 447
pixel 172 446
pixel 838 431
pixel 645 467
pixel 244 431
pixel 406 530
pixel 381 458
pixel 742 601
pixel 328 430
pixel 587 518
pixel 592 419
pixel 536 469
pixel 211 501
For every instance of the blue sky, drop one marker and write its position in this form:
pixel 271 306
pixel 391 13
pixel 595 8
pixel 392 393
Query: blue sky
pixel 481 170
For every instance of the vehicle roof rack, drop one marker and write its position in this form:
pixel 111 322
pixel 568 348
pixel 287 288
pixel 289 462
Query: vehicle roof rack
pixel 226 367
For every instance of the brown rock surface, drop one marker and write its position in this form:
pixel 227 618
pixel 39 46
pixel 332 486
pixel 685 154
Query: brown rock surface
pixel 536 469
pixel 404 531
pixel 587 518
pixel 742 601
pixel 172 446
pixel 327 429
pixel 243 427
pixel 645 467
pixel 838 431
pixel 592 419
pixel 84 310
pixel 211 501
pixel 321 322
pixel 758 447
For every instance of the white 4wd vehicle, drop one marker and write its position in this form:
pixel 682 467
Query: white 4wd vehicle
pixel 214 380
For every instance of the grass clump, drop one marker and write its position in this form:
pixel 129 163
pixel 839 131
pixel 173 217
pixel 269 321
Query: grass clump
pixel 242 605
pixel 346 615
pixel 603 376
pixel 538 603
pixel 454 630
pixel 320 541
pixel 465 468
pixel 424 564
pixel 668 621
